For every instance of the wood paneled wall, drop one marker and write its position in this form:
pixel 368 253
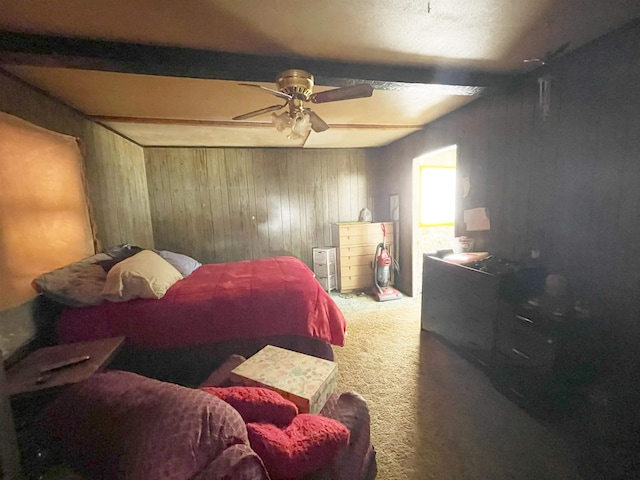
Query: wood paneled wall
pixel 566 185
pixel 117 185
pixel 221 205
pixel 116 182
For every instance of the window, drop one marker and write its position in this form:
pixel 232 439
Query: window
pixel 44 213
pixel 437 203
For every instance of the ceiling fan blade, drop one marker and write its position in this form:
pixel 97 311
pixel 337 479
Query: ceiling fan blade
pixel 255 113
pixel 317 124
pixel 277 93
pixel 343 93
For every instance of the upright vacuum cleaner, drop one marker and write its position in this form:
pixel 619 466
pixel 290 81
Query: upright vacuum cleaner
pixel 382 265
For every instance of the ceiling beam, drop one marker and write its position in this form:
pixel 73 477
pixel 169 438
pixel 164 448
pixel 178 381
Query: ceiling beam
pixel 53 51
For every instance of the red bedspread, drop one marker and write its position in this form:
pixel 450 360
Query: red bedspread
pixel 217 302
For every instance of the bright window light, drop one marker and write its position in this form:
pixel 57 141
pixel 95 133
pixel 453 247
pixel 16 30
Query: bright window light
pixel 437 192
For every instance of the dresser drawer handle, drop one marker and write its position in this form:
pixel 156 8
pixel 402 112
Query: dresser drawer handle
pixel 524 319
pixel 521 354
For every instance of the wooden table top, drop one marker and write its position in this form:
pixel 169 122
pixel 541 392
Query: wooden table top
pixel 23 377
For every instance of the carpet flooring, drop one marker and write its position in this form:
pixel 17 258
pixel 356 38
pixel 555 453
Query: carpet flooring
pixel 434 415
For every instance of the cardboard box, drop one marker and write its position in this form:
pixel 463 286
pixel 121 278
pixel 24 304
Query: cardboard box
pixel 305 380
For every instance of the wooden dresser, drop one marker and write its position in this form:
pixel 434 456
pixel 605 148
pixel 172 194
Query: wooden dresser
pixel 546 355
pixel 537 349
pixel 356 243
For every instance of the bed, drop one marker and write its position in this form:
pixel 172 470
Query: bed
pixel 218 309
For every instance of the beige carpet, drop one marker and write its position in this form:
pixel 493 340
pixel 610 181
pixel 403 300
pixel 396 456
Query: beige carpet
pixel 433 414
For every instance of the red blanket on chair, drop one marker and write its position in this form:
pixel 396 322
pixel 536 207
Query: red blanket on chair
pixel 217 302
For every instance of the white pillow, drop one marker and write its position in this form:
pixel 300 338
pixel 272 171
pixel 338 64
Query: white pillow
pixel 144 275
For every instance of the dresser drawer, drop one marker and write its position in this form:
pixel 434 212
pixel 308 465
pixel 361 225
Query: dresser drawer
pixel 438 316
pixel 370 230
pixel 478 326
pixel 324 269
pixel 368 250
pixel 484 304
pixel 359 255
pixel 354 282
pixel 324 254
pixel 356 239
pixel 356 260
pixel 523 345
pixel 357 270
pixel 462 285
pixel 328 283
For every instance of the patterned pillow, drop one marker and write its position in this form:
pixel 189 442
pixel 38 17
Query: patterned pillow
pixel 257 404
pixel 78 284
pixel 304 446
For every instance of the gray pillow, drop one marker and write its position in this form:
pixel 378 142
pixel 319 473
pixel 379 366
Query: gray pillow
pixel 78 284
pixel 117 254
pixel 183 263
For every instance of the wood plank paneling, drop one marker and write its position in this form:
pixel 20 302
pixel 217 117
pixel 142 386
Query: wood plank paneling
pixel 262 202
pixel 117 186
pixel 116 183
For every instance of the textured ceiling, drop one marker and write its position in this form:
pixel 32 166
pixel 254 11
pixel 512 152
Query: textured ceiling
pixel 156 94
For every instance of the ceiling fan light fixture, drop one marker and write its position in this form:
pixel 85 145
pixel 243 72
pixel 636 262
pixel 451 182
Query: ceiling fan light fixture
pixel 296 88
pixel 296 126
pixel 301 125
pixel 282 122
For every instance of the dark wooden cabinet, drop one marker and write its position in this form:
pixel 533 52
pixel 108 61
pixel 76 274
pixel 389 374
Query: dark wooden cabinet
pixel 544 353
pixel 460 304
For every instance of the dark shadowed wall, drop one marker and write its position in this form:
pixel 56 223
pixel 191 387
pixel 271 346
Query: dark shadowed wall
pixel 566 185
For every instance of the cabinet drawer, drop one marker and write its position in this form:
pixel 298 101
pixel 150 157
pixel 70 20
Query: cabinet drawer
pixel 371 230
pixel 463 282
pixel 328 283
pixel 368 250
pixel 524 346
pixel 324 269
pixel 353 282
pixel 438 316
pixel 482 300
pixel 324 254
pixel 484 304
pixel 355 239
pixel 478 326
pixel 353 260
pixel 356 270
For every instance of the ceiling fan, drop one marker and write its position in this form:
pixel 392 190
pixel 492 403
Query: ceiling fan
pixel 295 87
